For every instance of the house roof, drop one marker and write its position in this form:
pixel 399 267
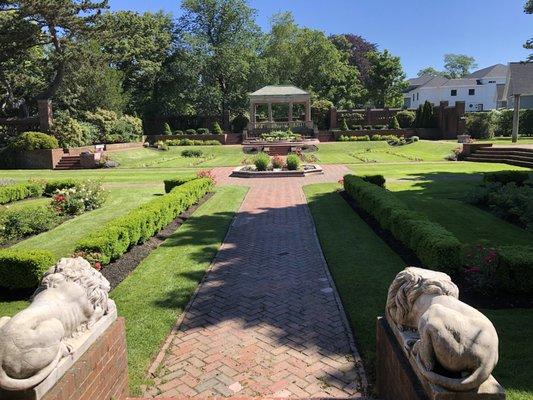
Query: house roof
pixel 417 82
pixel 519 79
pixel 460 82
pixel 494 71
pixel 279 90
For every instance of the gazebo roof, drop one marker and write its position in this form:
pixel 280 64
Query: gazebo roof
pixel 279 90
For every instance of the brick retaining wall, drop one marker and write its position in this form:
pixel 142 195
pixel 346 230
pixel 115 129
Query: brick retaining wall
pixel 99 374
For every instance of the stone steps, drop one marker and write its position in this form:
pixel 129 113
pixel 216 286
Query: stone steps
pixel 68 163
pixel 519 156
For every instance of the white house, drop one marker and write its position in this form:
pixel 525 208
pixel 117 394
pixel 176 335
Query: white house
pixel 481 90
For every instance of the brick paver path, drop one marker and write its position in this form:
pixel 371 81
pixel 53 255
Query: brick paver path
pixel 266 321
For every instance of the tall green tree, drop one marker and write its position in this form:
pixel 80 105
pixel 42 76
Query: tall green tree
pixel 458 65
pixel 224 36
pixel 54 23
pixel 308 59
pixel 528 9
pixel 387 79
pixel 431 71
pixel 138 45
pixel 357 48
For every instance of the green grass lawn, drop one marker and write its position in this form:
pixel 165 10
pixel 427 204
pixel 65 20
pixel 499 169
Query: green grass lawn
pixel 363 266
pixel 153 296
pixel 151 158
pixel 381 152
pixel 505 140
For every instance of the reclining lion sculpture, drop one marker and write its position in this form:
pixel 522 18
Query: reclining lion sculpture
pixel 72 297
pixel 451 333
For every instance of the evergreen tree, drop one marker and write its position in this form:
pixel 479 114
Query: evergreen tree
pixel 394 124
pixel 167 130
pixel 344 125
pixel 217 130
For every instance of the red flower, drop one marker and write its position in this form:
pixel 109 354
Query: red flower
pixel 97 266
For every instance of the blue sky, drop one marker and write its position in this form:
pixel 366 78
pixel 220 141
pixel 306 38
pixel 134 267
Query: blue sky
pixel 419 31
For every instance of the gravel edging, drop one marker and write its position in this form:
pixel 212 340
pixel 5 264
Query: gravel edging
pixel 119 270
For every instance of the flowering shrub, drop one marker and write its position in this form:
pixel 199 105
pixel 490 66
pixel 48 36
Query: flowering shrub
pixel 206 173
pixel 480 263
pixel 277 162
pixel 85 196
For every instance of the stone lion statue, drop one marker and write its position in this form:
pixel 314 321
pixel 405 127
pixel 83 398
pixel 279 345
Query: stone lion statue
pixel 72 297
pixel 456 336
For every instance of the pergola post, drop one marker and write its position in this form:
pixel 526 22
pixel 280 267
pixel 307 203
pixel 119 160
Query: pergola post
pixel 516 118
pixel 290 112
pixel 270 117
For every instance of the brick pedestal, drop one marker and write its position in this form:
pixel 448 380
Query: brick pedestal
pixel 101 373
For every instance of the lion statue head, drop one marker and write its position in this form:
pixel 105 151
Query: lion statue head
pixel 79 270
pixel 410 284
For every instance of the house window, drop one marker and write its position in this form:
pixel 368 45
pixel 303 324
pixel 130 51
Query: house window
pixel 413 97
pixel 492 81
pixel 453 92
pixel 471 92
pixel 417 96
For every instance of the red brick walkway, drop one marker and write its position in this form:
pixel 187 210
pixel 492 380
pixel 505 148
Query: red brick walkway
pixel 266 321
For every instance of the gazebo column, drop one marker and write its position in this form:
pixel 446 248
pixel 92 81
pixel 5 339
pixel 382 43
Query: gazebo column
pixel 516 118
pixel 270 118
pixel 290 111
pixel 308 111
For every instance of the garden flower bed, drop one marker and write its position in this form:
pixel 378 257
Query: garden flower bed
pixel 250 171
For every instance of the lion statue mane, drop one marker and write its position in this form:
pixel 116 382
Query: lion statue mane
pixel 72 297
pixel 451 333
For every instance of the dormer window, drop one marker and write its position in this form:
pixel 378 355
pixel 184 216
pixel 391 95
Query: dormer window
pixel 453 92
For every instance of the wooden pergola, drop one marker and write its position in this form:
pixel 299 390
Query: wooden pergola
pixel 279 94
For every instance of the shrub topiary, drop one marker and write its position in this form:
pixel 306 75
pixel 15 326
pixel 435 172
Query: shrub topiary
pixel 172 183
pixel 20 191
pixel 21 269
pixel 113 239
pixel 178 132
pixel 32 141
pixel 202 131
pixel 293 162
pixel 217 130
pixel 394 124
pixel 239 123
pixel 405 118
pixel 192 153
pixel 166 129
pixel 515 272
pixel 505 177
pixel 436 247
pixel 190 131
pixel 261 161
pixel 378 180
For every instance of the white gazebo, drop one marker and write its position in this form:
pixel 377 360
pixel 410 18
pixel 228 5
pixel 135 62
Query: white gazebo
pixel 280 94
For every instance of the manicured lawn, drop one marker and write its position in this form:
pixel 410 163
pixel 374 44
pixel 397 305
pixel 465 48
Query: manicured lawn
pixel 152 158
pixel 153 296
pixel 381 152
pixel 506 140
pixel 361 264
pixel 437 190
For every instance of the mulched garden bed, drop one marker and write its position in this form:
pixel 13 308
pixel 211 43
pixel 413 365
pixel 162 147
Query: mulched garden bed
pixel 118 270
pixel 493 301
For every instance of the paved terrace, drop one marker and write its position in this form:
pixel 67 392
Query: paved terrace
pixel 266 321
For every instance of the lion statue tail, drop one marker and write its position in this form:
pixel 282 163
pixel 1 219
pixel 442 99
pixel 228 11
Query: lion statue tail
pixel 8 383
pixel 471 382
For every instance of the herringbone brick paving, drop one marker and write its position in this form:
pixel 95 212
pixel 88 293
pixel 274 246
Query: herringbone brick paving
pixel 266 320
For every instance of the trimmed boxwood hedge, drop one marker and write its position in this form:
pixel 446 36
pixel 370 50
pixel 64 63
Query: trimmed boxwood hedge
pixel 20 269
pixel 514 272
pixel 20 191
pixel 436 247
pixel 117 236
pixel 172 183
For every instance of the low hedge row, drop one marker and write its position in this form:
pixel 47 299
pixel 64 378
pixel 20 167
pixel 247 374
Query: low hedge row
pixel 140 224
pixel 514 272
pixel 436 247
pixel 20 191
pixel 20 269
pixel 172 183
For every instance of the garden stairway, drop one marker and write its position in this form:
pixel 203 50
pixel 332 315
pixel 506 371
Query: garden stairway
pixel 519 156
pixel 69 162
